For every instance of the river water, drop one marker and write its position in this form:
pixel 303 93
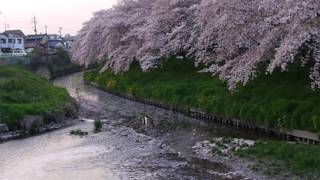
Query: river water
pixel 125 149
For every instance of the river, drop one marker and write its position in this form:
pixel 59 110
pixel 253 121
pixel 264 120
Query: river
pixel 127 148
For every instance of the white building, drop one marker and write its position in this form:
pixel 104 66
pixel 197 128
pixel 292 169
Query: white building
pixel 11 40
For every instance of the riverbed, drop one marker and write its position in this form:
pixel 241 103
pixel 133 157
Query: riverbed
pixel 129 147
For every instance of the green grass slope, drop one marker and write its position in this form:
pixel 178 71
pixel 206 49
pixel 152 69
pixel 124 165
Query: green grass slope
pixel 281 100
pixel 24 93
pixel 280 157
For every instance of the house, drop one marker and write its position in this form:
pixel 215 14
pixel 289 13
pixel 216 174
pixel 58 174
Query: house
pixel 48 41
pixel 4 45
pixel 32 41
pixel 69 40
pixel 55 41
pixel 12 40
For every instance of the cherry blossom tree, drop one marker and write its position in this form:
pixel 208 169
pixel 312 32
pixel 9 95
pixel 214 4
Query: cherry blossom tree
pixel 239 35
pixel 168 31
pixel 231 38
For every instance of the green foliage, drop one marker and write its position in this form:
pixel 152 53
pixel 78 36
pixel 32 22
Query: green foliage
pixel 281 100
pixel 60 61
pixel 298 158
pixel 97 125
pixel 24 93
pixel 57 63
pixel 37 58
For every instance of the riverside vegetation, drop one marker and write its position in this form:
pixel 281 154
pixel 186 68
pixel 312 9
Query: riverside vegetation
pixel 58 64
pixel 24 93
pixel 283 100
pixel 97 125
pixel 300 159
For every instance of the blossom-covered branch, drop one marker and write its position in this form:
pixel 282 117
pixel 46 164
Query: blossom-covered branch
pixel 232 38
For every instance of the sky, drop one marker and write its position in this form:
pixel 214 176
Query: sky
pixel 68 14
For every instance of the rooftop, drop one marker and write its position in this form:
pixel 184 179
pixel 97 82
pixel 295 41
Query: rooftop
pixel 15 32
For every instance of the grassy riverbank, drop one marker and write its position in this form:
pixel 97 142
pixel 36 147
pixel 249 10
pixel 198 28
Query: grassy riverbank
pixel 282 157
pixel 24 93
pixel 282 100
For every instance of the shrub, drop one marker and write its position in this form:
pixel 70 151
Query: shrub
pixel 97 125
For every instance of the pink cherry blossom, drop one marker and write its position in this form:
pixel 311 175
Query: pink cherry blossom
pixel 231 38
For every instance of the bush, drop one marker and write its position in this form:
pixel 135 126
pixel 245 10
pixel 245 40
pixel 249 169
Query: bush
pixel 37 58
pixel 97 126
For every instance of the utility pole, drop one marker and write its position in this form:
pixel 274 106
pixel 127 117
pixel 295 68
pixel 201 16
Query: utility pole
pixel 6 26
pixel 34 22
pixel 60 31
pixel 46 29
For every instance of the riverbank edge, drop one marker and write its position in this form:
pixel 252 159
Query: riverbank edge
pixel 44 123
pixel 46 73
pixel 50 121
pixel 65 72
pixel 231 158
pixel 294 135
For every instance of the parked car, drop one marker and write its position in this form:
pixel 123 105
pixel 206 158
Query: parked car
pixel 19 52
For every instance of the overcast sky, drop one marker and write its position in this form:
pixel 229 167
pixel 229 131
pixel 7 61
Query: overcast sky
pixel 68 14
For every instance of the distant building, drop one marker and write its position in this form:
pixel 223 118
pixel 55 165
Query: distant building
pixel 48 41
pixel 69 40
pixel 32 41
pixel 12 40
pixel 16 32
pixel 55 41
